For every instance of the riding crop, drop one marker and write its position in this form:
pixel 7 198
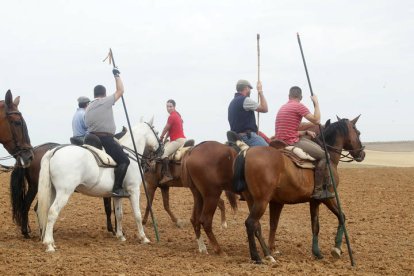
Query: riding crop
pixel 154 222
pixel 341 217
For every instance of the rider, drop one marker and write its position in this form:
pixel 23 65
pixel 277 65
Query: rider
pixel 241 113
pixel 174 130
pixel 287 124
pixel 99 118
pixel 79 128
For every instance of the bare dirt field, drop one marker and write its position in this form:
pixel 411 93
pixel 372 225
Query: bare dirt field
pixel 380 223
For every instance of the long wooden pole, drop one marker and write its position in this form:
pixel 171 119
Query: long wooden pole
pixel 154 221
pixel 258 78
pixel 341 216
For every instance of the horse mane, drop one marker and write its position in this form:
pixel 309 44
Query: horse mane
pixel 333 130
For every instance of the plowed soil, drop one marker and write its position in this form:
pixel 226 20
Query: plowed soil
pixel 378 203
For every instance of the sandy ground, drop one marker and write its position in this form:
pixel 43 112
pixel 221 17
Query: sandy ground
pixel 380 223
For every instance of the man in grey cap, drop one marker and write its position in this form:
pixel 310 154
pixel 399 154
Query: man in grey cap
pixel 241 113
pixel 79 128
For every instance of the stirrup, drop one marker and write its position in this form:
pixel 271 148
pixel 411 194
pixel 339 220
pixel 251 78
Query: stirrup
pixel 120 193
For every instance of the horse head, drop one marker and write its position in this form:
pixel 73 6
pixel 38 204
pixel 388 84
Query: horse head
pixel 14 135
pixel 349 134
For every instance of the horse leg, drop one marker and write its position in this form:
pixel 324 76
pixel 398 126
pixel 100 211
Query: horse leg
pixel 30 196
pixel 195 219
pixel 314 212
pixel 165 191
pixel 275 209
pixel 108 210
pixel 222 208
pixel 265 248
pixel 134 199
pixel 61 199
pixel 252 225
pixel 206 219
pixel 118 218
pixel 151 188
pixel 336 251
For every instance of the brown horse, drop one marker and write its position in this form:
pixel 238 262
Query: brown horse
pixel 13 131
pixel 273 179
pixel 152 179
pixel 208 170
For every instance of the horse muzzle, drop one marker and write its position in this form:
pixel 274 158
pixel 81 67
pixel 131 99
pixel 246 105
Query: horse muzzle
pixel 361 156
pixel 25 157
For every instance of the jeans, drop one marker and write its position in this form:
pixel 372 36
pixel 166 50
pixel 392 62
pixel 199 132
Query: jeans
pixel 255 140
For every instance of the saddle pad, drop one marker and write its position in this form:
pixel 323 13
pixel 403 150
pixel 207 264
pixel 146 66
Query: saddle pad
pixel 242 145
pixel 179 154
pixel 300 162
pixel 103 156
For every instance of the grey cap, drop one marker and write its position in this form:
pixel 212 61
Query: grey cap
pixel 242 84
pixel 83 100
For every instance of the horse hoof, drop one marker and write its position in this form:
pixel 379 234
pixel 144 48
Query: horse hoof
pixel 336 253
pixel 122 238
pixel 145 240
pixel 270 259
pixel 259 261
pixel 180 223
pixel 50 249
pixel 224 225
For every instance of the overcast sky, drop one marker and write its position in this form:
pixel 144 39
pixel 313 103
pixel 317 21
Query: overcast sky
pixel 359 54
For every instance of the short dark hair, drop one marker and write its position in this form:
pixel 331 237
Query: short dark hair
pixel 83 105
pixel 171 102
pixel 99 91
pixel 295 92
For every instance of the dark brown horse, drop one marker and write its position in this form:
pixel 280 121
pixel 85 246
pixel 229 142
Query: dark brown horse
pixel 13 131
pixel 152 179
pixel 273 179
pixel 208 170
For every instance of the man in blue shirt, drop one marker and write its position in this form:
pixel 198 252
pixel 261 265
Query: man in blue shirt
pixel 78 122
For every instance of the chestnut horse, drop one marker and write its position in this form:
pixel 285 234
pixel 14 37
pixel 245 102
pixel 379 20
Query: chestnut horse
pixel 152 179
pixel 208 170
pixel 13 131
pixel 272 178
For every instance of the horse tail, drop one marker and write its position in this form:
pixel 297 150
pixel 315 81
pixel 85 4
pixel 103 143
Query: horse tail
pixel 232 198
pixel 44 193
pixel 239 180
pixel 18 193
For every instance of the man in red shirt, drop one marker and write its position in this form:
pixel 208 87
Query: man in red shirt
pixel 287 124
pixel 174 130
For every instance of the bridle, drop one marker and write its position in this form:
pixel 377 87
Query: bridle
pixel 345 157
pixel 18 148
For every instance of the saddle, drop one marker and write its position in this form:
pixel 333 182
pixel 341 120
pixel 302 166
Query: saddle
pixel 234 140
pixel 297 155
pixel 102 158
pixel 176 156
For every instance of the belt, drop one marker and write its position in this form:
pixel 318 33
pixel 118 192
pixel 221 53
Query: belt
pixel 102 133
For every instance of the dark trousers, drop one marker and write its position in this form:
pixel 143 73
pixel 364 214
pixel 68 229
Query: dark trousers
pixel 114 150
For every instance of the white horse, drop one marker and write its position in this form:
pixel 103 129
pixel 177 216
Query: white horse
pixel 74 168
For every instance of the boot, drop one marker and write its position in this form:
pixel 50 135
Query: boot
pixel 166 171
pixel 120 172
pixel 321 191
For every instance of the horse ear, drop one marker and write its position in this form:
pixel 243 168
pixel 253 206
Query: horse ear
pixel 328 122
pixel 9 98
pixel 151 121
pixel 17 100
pixel 337 117
pixel 354 121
